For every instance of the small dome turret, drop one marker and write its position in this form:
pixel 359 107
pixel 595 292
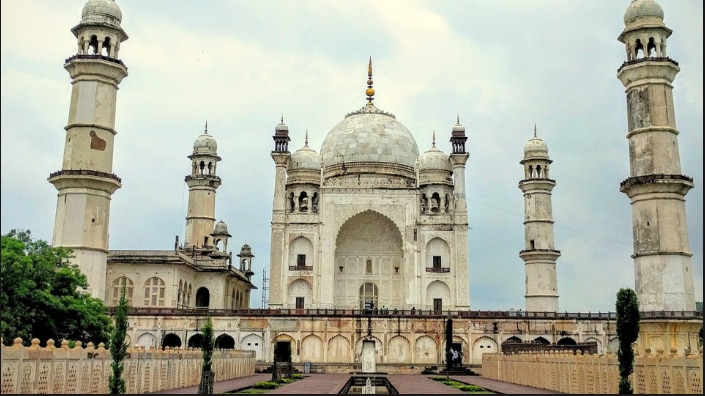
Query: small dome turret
pixel 220 229
pixel 434 159
pixel 642 9
pixel 535 148
pixel 205 144
pixel 305 158
pixel 101 11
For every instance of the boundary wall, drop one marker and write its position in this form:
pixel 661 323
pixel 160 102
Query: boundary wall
pixel 79 370
pixel 566 372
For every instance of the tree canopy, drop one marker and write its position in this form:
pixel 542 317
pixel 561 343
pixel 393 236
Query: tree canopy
pixel 628 318
pixel 41 295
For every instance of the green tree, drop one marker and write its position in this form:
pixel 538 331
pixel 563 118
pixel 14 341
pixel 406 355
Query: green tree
pixel 42 294
pixel 118 346
pixel 206 386
pixel 627 331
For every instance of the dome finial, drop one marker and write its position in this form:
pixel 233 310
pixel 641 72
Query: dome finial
pixel 206 128
pixel 306 139
pixel 433 141
pixel 534 129
pixel 370 92
pixel 282 120
pixel 457 120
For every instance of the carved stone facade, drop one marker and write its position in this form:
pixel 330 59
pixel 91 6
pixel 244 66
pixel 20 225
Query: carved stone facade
pixel 369 221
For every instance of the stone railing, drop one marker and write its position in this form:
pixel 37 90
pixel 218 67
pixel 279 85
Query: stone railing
pixel 565 372
pixel 79 370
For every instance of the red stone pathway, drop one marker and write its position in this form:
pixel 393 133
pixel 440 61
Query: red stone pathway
pixel 409 384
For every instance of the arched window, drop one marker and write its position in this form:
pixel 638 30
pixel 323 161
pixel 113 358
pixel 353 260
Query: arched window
pixel 203 297
pixel 117 286
pixel 178 294
pixel 154 290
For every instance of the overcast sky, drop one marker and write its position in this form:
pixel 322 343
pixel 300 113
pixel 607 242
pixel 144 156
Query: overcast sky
pixel 500 65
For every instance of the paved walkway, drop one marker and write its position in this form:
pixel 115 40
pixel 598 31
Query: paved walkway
pixel 333 383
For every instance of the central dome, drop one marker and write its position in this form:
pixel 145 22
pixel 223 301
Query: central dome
pixel 369 135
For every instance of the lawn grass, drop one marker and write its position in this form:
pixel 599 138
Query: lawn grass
pixel 462 386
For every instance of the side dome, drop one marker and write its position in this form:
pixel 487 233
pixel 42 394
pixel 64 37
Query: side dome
pixel 205 144
pixel 368 136
pixel 220 229
pixel 96 10
pixel 534 148
pixel 434 159
pixel 305 158
pixel 641 9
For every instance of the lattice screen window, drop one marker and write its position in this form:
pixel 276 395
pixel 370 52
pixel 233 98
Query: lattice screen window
pixel 117 286
pixel 154 290
pixel 368 295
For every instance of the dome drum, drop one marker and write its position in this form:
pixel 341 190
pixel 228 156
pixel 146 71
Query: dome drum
pixel 435 176
pixel 354 169
pixel 304 176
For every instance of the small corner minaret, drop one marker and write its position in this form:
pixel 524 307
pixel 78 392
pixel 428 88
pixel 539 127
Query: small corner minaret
pixel 202 185
pixel 281 157
pixel 86 181
pixel 655 186
pixel 539 253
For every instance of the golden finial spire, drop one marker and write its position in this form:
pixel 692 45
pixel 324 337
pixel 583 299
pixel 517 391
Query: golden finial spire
pixel 206 130
pixel 534 129
pixel 306 139
pixel 433 142
pixel 370 92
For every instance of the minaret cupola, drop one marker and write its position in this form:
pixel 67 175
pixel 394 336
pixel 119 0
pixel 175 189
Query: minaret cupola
pixel 99 32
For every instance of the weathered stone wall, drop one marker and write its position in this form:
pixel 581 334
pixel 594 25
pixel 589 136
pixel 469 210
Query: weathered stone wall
pixel 78 370
pixel 565 372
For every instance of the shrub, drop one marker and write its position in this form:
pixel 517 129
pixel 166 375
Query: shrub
pixel 297 376
pixel 472 388
pixel 265 385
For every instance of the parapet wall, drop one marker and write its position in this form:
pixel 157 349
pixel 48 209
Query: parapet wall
pixel 566 372
pixel 79 370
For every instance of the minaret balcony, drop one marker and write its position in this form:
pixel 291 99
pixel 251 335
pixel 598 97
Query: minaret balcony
pixel 655 184
pixel 85 178
pixel 93 57
pixel 647 59
pixel 539 254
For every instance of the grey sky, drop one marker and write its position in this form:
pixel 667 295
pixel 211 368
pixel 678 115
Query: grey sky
pixel 500 65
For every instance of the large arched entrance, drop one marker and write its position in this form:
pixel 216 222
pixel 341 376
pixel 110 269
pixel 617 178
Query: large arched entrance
pixel 368 251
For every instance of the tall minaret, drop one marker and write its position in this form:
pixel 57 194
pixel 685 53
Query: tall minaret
pixel 539 253
pixel 202 184
pixel 458 158
pixel 86 181
pixel 656 187
pixel 281 157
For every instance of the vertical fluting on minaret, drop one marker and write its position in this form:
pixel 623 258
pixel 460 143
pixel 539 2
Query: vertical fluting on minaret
pixel 539 252
pixel 655 187
pixel 281 157
pixel 86 181
pixel 202 185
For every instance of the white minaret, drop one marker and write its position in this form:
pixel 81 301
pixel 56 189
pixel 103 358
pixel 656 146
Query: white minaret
pixel 458 158
pixel 86 181
pixel 281 157
pixel 662 258
pixel 202 184
pixel 539 253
